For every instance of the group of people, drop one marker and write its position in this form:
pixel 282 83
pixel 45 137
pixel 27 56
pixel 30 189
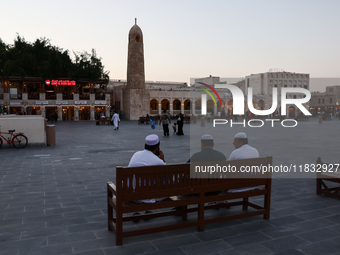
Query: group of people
pixel 152 155
pixel 177 127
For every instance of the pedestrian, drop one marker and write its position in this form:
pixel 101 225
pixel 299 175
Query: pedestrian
pixel 115 119
pixel 180 124
pixel 165 119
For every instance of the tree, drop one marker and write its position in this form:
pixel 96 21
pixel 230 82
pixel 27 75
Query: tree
pixel 41 59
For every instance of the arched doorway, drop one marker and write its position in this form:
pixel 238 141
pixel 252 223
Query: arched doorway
pixel 210 107
pixel 187 106
pixel 291 112
pixel 154 106
pixel 230 108
pixel 198 106
pixel 260 105
pixel 165 104
pixel 176 107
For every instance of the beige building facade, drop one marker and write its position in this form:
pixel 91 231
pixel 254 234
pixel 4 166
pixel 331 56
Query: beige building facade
pixel 326 102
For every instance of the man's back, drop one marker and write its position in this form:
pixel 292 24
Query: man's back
pixel 206 155
pixel 244 152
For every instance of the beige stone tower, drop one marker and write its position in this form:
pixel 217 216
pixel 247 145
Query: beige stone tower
pixel 136 99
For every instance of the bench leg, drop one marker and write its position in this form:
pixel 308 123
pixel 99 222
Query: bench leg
pixel 245 203
pixel 119 229
pixel 201 217
pixel 267 197
pixel 184 212
pixel 318 186
pixel 109 216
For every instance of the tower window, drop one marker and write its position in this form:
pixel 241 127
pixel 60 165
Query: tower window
pixel 137 38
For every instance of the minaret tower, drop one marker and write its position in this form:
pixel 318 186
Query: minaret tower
pixel 135 65
pixel 136 99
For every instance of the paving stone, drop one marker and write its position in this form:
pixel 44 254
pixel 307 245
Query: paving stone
pixel 207 247
pixel 169 243
pixel 283 231
pixel 315 224
pixel 139 248
pixel 248 250
pixel 51 250
pixel 326 247
pixel 318 235
pixel 285 243
pixel 70 238
pixel 247 239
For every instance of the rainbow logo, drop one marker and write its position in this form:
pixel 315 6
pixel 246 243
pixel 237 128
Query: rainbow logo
pixel 208 92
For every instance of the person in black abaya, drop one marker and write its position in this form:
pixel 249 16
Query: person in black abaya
pixel 180 118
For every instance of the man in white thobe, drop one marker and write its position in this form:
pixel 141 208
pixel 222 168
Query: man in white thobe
pixel 115 119
pixel 243 151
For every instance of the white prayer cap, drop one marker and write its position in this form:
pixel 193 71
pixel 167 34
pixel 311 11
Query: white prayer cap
pixel 241 135
pixel 207 137
pixel 152 140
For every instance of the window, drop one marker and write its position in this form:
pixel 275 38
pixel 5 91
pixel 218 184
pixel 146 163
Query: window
pixel 323 100
pixel 331 100
pixel 294 96
pixel 319 100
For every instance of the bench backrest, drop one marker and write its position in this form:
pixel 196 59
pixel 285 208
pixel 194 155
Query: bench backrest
pixel 137 183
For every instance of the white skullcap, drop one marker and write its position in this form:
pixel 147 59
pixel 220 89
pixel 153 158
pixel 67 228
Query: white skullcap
pixel 241 135
pixel 207 137
pixel 151 140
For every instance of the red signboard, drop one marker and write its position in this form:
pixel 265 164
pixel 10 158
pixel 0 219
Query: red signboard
pixel 61 82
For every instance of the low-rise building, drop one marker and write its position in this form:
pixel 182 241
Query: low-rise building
pixel 326 102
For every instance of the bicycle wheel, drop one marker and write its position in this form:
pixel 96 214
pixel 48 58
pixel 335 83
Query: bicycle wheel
pixel 19 141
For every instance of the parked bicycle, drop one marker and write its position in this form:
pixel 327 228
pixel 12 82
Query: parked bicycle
pixel 19 140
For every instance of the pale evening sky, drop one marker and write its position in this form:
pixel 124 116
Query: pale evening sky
pixel 185 39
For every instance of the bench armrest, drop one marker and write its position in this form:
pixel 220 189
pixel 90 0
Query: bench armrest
pixel 112 188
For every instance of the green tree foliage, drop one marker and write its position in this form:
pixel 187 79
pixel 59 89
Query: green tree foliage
pixel 41 59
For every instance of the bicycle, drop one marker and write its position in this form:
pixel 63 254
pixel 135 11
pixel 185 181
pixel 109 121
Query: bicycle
pixel 19 140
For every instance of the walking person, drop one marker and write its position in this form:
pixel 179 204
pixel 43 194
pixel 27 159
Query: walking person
pixel 115 119
pixel 165 119
pixel 180 118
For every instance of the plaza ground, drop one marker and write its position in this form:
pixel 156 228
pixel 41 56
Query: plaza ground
pixel 53 199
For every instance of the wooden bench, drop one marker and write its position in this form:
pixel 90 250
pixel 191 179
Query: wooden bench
pixel 104 121
pixel 188 194
pixel 143 120
pixel 324 179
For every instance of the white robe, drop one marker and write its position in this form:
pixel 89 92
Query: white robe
pixel 115 119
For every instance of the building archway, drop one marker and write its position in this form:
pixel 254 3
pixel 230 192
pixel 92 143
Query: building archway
pixel 210 107
pixel 176 105
pixel 154 106
pixel 260 105
pixel 291 111
pixel 187 106
pixel 165 104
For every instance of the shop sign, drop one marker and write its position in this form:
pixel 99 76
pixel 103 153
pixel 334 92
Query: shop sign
pixel 61 102
pixel 41 102
pixel 80 102
pixel 102 102
pixel 15 103
pixel 60 82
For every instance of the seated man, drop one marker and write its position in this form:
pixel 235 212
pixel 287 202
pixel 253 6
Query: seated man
pixel 207 152
pixel 243 151
pixel 150 156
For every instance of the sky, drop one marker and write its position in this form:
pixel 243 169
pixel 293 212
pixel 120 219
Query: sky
pixel 186 39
